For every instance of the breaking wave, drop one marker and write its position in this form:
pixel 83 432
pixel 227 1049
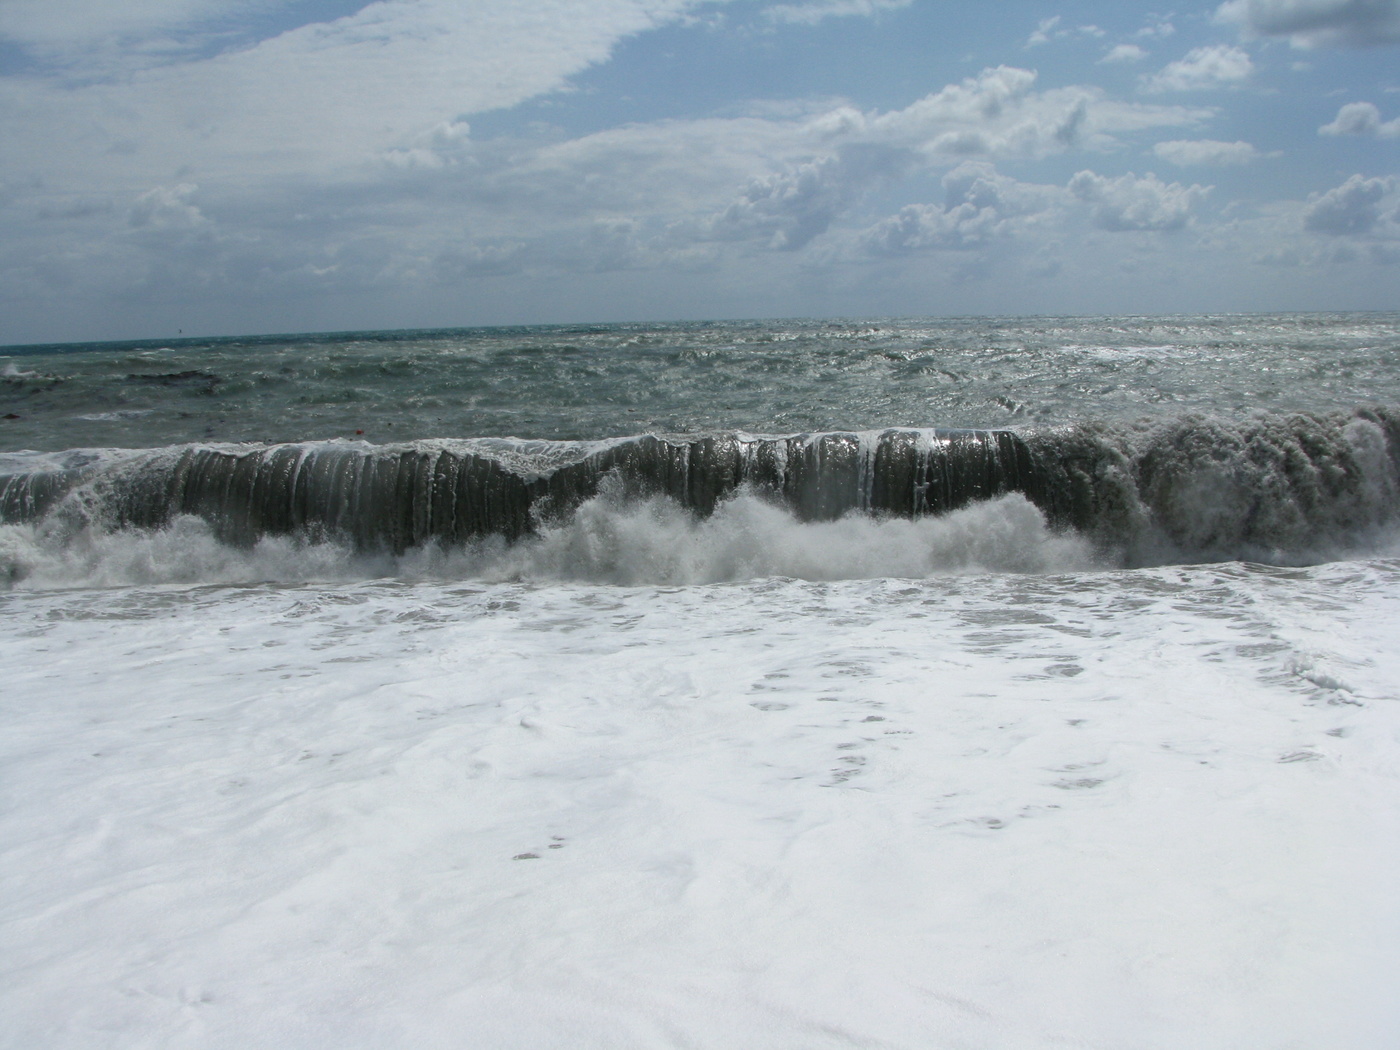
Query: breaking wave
pixel 661 509
pixel 608 540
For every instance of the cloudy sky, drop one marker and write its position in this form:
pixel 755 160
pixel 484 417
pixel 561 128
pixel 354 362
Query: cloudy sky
pixel 240 166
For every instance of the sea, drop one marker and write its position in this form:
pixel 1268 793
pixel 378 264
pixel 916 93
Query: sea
pixel 888 683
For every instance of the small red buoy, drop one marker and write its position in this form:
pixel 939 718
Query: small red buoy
pixel 359 431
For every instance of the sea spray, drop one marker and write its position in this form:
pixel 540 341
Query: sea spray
pixel 1282 488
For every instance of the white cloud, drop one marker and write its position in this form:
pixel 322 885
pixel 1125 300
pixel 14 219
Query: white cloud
pixel 980 206
pixel 371 188
pixel 993 113
pixel 1124 53
pixel 1317 23
pixel 921 227
pixel 790 209
pixel 1050 29
pixel 1361 118
pixel 663 196
pixel 980 99
pixel 321 99
pixel 55 28
pixel 1044 32
pixel 1354 207
pixel 997 115
pixel 1160 27
pixel 822 166
pixel 1203 68
pixel 807 174
pixel 1131 203
pixel 1206 152
pixel 820 10
pixel 444 145
pixel 167 208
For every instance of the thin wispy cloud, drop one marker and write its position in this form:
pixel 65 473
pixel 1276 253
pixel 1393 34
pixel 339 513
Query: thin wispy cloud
pixel 819 10
pixel 1205 153
pixel 1203 69
pixel 1052 29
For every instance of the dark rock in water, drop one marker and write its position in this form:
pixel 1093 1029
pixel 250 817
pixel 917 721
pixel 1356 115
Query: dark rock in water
pixel 193 379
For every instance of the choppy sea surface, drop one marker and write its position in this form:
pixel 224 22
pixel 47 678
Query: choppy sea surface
pixel 1006 683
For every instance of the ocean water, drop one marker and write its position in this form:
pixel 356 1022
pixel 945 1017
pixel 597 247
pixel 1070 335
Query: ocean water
pixel 1005 683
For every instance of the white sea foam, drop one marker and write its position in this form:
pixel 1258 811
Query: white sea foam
pixel 648 779
pixel 1113 353
pixel 118 416
pixel 654 541
pixel 608 540
pixel 1142 809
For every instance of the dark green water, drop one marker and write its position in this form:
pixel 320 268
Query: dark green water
pixel 776 377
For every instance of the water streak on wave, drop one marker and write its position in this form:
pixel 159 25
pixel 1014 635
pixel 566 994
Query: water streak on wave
pixel 1280 488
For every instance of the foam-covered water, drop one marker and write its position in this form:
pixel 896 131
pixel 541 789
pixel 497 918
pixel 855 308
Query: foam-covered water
pixel 1003 684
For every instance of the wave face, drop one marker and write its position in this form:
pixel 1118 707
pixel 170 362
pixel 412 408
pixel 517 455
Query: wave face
pixel 1286 488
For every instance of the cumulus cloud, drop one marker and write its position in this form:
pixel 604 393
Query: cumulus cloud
pixel 442 208
pixel 1361 118
pixel 1317 23
pixel 1354 207
pixel 1132 203
pixel 778 181
pixel 980 206
pixel 1205 152
pixel 441 146
pixel 1203 68
pixel 995 115
pixel 1124 53
pixel 790 209
pixel 167 207
pixel 982 99
pixel 339 159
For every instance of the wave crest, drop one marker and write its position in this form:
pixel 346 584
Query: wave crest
pixel 610 539
pixel 1284 489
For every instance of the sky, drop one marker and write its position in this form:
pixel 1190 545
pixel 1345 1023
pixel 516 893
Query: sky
pixel 246 166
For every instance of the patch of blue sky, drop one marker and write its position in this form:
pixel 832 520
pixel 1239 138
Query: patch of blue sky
pixel 16 61
pixel 138 44
pixel 739 64
pixel 740 58
pixel 266 21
